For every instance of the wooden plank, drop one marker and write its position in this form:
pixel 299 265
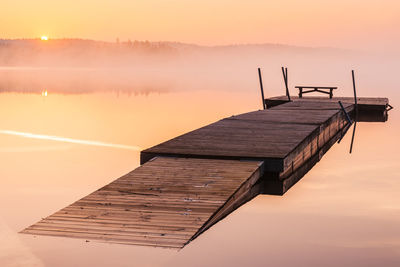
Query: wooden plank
pixel 288 116
pixel 180 197
pixel 312 105
pixel 319 87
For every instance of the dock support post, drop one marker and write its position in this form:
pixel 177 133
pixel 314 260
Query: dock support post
pixel 355 95
pixel 352 136
pixel 285 78
pixel 355 111
pixel 345 113
pixel 262 89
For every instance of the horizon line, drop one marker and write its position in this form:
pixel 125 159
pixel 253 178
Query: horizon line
pixel 172 42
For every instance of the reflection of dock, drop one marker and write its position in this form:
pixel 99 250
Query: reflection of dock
pixel 189 183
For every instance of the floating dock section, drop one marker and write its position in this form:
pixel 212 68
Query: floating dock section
pixel 189 183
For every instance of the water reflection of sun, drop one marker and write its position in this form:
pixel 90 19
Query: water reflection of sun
pixel 44 93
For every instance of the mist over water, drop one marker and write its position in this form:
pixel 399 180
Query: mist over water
pixel 79 67
pixel 344 212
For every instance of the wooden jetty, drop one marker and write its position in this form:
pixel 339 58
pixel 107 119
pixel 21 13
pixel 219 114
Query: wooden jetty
pixel 189 183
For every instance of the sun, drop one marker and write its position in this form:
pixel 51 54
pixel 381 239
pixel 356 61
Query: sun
pixel 44 38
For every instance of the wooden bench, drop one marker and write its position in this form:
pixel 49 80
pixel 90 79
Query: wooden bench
pixel 321 89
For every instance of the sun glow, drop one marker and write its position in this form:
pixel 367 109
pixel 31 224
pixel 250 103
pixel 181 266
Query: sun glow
pixel 44 93
pixel 44 38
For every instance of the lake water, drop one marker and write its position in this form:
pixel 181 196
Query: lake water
pixel 344 212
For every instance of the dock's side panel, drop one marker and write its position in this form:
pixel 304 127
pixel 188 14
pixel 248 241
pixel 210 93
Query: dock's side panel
pixel 307 154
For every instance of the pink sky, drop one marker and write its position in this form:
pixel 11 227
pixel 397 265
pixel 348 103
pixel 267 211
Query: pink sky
pixel 366 24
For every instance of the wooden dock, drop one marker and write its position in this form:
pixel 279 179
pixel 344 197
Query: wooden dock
pixel 189 183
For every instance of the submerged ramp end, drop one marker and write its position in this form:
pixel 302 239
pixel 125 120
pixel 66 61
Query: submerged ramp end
pixel 166 202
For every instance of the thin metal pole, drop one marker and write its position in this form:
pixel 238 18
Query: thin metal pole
pixel 344 131
pixel 355 111
pixel 285 79
pixel 352 137
pixel 287 85
pixel 355 96
pixel 345 113
pixel 262 89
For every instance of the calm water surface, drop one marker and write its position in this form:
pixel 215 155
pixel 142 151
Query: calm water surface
pixel 344 212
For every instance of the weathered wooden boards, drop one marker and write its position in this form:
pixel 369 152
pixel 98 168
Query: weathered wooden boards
pixel 189 183
pixel 236 139
pixel 165 203
pixel 275 136
pixel 289 137
pixel 373 101
pixel 371 109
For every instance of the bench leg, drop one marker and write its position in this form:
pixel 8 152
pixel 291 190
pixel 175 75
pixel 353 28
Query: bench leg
pixel 300 92
pixel 331 93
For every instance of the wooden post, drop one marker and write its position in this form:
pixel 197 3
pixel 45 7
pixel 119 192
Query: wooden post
pixel 300 92
pixel 262 89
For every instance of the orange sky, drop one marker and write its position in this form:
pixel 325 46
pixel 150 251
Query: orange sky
pixel 342 23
